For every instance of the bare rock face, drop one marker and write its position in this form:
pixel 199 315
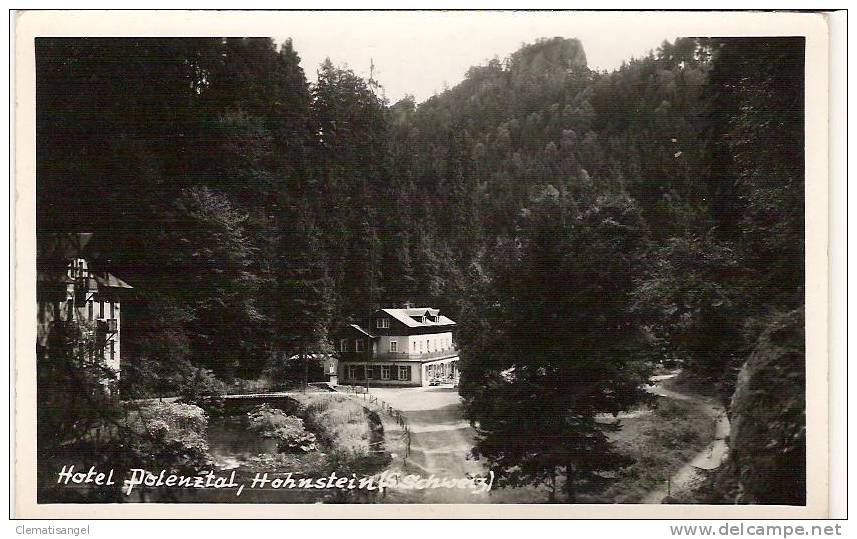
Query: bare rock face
pixel 549 54
pixel 768 415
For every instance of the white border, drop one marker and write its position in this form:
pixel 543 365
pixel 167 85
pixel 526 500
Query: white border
pixel 813 26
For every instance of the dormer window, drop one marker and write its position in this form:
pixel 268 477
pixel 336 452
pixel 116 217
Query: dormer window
pixel 382 323
pixel 343 345
pixel 358 345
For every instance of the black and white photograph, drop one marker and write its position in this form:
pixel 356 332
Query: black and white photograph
pixel 415 258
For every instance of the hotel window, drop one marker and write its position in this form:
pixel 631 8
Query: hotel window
pixel 370 373
pixel 112 310
pixel 100 309
pixel 112 350
pixel 385 372
pixel 343 345
pixel 394 346
pixel 89 306
pixel 358 345
pixel 427 346
pixel 404 373
pixel 413 346
pixel 352 372
pixel 382 323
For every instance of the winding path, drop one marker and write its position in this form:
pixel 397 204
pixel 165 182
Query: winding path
pixel 709 458
pixel 441 439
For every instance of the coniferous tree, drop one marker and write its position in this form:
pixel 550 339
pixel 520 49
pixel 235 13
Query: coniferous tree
pixel 570 348
pixel 306 297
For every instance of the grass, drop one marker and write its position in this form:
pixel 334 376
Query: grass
pixel 658 441
pixel 337 419
pixel 354 436
pixel 342 430
pixel 658 444
pixel 718 487
pixel 685 382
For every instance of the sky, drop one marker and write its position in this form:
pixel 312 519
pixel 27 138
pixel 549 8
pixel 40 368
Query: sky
pixel 418 53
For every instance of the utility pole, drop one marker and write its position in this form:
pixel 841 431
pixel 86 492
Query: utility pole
pixel 306 368
pixel 368 349
pixel 368 356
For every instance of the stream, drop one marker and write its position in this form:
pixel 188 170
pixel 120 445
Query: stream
pixel 231 443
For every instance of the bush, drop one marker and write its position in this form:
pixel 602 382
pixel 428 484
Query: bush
pixel 287 430
pixel 172 433
pixel 200 383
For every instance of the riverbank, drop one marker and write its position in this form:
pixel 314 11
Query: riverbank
pixel 345 435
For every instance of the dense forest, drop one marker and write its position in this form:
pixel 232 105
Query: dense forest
pixel 582 227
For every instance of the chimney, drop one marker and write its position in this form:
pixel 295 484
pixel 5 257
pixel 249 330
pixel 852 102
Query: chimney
pixel 407 305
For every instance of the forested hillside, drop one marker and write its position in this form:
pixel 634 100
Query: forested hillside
pixel 582 227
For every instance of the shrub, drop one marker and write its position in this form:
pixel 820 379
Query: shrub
pixel 174 433
pixel 202 388
pixel 287 430
pixel 200 383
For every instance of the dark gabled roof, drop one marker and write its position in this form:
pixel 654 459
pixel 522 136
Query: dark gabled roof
pixel 53 250
pixel 53 276
pixel 104 280
pixel 111 281
pixel 57 246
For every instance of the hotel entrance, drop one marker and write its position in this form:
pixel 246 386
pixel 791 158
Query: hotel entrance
pixel 441 372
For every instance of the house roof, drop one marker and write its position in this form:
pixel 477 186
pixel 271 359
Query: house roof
pixel 107 280
pixel 419 311
pixel 111 281
pixel 53 251
pixel 361 330
pixel 406 316
pixel 53 276
pixel 62 246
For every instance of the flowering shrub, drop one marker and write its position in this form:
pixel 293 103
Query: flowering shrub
pixel 287 430
pixel 173 429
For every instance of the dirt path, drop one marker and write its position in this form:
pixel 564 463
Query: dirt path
pixel 440 442
pixel 709 458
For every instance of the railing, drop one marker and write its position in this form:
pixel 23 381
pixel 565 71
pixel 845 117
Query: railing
pixel 349 389
pixel 397 415
pixel 387 409
pixel 439 354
